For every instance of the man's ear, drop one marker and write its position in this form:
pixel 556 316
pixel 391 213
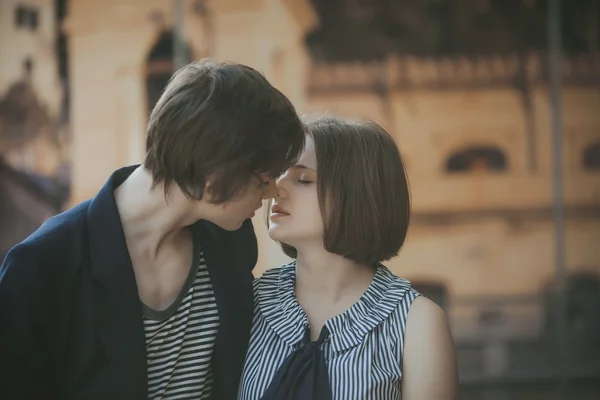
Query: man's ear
pixel 208 189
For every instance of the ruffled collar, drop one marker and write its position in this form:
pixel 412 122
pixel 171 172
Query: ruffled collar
pixel 277 301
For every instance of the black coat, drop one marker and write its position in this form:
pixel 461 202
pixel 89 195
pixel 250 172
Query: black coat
pixel 71 322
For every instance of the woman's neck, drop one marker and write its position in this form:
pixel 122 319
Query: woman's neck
pixel 330 277
pixel 327 285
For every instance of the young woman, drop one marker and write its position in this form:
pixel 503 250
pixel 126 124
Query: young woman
pixel 336 323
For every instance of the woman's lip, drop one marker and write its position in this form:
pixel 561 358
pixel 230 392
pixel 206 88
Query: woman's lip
pixel 278 214
pixel 276 208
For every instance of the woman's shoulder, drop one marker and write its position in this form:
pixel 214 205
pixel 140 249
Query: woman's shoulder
pixel 398 285
pixel 429 355
pixel 397 300
pixel 381 308
pixel 419 313
pixel 273 276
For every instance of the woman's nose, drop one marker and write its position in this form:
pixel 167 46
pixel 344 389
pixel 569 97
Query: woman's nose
pixel 281 191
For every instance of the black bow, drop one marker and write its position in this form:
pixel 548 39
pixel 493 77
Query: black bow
pixel 303 375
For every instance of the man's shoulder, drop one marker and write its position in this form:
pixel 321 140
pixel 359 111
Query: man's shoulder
pixel 57 234
pixel 56 243
pixel 62 226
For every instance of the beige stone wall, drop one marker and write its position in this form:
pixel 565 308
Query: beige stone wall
pixel 494 256
pixel 108 43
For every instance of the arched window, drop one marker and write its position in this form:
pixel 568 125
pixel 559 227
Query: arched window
pixel 159 68
pixel 478 158
pixel 28 67
pixel 591 156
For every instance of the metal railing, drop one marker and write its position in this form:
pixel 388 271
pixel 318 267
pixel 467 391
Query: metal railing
pixel 462 72
pixel 508 347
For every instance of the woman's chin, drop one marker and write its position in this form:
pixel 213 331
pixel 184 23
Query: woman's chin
pixel 275 233
pixel 278 234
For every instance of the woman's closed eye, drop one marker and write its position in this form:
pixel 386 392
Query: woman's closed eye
pixel 304 180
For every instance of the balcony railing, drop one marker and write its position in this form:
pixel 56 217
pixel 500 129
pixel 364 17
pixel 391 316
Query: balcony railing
pixel 409 72
pixel 507 348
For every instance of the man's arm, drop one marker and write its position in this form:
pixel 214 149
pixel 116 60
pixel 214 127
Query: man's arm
pixel 429 361
pixel 25 315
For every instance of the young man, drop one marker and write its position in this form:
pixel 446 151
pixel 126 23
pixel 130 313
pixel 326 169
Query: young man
pixel 145 291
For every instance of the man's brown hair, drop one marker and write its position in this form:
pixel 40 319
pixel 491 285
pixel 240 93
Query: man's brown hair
pixel 223 122
pixel 362 189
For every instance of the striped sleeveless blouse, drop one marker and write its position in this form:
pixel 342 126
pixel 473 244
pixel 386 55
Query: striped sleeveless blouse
pixel 364 352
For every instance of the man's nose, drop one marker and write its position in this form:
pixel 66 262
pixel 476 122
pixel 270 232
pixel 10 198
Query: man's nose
pixel 270 191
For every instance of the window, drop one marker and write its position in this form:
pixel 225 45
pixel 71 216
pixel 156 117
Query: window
pixel 28 66
pixel 159 68
pixel 591 157
pixel 33 19
pixel 482 158
pixel 20 16
pixel 26 17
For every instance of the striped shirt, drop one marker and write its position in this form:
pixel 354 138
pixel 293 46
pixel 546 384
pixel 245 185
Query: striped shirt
pixel 180 339
pixel 364 352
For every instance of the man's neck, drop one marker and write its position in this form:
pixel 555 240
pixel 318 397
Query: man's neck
pixel 149 220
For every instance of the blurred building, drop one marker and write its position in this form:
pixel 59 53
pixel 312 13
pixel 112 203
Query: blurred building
pixel 26 200
pixel 31 91
pixel 33 142
pixel 463 87
pixel 28 49
pixel 478 151
pixel 479 159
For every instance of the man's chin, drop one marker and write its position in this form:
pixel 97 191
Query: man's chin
pixel 230 225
